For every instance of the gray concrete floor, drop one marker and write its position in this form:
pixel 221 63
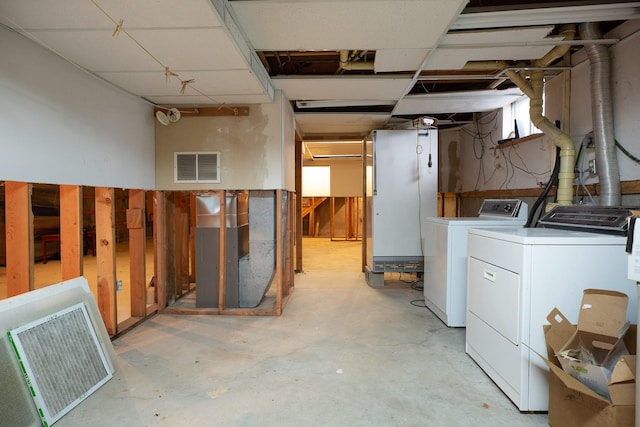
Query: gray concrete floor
pixel 342 354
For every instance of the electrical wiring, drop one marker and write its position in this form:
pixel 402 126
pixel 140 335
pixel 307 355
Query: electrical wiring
pixel 626 152
pixel 418 303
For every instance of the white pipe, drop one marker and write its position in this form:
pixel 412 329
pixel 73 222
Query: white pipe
pixel 534 90
pixel 345 64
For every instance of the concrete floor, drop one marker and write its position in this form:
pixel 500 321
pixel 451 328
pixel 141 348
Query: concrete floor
pixel 342 354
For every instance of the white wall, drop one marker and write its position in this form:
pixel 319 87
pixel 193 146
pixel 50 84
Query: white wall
pixel 59 125
pixel 484 165
pixel 255 153
pixel 531 162
pixel 625 84
pixel 345 176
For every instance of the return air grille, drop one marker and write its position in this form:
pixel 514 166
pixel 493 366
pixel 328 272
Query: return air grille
pixel 197 167
pixel 61 359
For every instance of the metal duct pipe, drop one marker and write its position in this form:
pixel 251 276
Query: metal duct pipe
pixel 602 116
pixel 534 90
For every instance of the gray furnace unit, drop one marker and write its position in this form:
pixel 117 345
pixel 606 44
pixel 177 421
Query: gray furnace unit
pixel 208 247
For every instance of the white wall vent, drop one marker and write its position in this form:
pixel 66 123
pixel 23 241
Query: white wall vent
pixel 61 359
pixel 197 167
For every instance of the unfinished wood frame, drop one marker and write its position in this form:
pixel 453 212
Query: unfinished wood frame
pixel 106 256
pixel 136 225
pixel 352 213
pixel 160 248
pixel 283 278
pixel 298 205
pixel 19 237
pixel 71 242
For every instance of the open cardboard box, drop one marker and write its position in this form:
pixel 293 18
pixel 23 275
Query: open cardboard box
pixel 596 343
pixel 571 402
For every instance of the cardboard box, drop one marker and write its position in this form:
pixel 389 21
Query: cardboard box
pixel 596 343
pixel 572 403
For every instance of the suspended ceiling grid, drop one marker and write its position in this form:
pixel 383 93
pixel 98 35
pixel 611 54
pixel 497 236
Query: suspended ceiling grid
pixel 220 48
pixel 195 39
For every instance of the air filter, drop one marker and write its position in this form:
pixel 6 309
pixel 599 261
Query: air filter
pixel 61 359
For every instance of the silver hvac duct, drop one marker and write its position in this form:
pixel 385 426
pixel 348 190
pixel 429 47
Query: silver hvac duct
pixel 602 116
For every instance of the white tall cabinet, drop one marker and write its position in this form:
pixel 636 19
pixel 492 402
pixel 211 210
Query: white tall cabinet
pixel 401 184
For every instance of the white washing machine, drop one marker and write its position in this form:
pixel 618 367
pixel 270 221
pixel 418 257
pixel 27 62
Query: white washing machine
pixel 445 255
pixel 515 278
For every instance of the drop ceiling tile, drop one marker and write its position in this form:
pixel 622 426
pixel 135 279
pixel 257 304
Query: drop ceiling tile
pixel 455 59
pixel 343 88
pixel 345 24
pixel 396 60
pixel 344 123
pixel 83 14
pixel 517 44
pixel 240 82
pixel 99 51
pixel 456 102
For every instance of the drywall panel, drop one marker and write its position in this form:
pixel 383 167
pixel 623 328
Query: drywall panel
pixel 484 166
pixel 449 160
pixel 346 178
pixel 60 125
pixel 316 181
pixel 288 146
pixel 251 148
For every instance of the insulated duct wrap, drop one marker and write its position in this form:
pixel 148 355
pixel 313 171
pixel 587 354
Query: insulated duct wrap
pixel 602 116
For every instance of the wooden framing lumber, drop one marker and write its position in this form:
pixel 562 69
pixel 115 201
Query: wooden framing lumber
pixel 106 256
pixel 160 245
pixel 71 238
pixel 279 263
pixel 137 253
pixel 222 259
pixel 19 237
pixel 298 209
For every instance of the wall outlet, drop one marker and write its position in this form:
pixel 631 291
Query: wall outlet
pixel 118 285
pixel 592 167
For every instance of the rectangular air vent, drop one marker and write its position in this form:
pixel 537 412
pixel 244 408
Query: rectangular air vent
pixel 61 359
pixel 197 167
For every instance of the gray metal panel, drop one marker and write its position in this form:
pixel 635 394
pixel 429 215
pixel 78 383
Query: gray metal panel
pixel 207 267
pixel 258 269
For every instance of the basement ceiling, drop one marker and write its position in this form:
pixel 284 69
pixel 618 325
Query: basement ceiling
pixel 347 66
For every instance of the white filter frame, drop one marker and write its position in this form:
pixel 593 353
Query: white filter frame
pixel 33 381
